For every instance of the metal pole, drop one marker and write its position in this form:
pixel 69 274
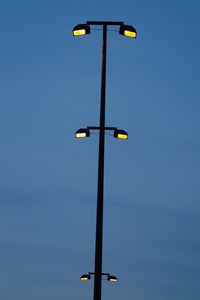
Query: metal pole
pixel 100 188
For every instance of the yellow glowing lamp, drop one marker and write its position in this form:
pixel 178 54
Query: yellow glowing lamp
pixel 120 134
pixel 82 133
pixel 112 278
pixel 85 277
pixel 128 31
pixel 81 29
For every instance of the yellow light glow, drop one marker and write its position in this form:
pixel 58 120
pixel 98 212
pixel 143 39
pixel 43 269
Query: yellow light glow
pixel 122 136
pixel 84 278
pixel 113 280
pixel 81 135
pixel 130 33
pixel 79 32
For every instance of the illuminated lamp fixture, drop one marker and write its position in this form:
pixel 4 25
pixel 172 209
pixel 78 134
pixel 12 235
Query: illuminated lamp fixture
pixel 81 29
pixel 82 133
pixel 112 278
pixel 85 277
pixel 128 31
pixel 120 134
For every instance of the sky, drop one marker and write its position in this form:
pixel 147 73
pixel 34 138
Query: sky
pixel 50 87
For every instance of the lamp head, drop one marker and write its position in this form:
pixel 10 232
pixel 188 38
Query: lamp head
pixel 120 134
pixel 85 277
pixel 81 29
pixel 82 133
pixel 128 31
pixel 112 278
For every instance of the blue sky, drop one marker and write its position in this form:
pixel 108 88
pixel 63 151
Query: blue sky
pixel 50 86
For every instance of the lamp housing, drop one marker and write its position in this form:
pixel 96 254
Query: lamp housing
pixel 81 29
pixel 120 134
pixel 85 277
pixel 112 278
pixel 82 133
pixel 128 31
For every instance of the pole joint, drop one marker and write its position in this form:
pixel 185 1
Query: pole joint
pixel 102 274
pixel 99 128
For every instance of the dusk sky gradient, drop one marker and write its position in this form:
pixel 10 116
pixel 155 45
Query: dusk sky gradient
pixel 50 87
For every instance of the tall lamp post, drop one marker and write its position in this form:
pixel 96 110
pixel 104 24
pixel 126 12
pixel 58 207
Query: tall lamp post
pixel 79 30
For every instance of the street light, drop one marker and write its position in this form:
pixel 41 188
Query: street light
pixel 85 277
pixel 128 31
pixel 110 278
pixel 82 133
pixel 120 134
pixel 117 133
pixel 79 30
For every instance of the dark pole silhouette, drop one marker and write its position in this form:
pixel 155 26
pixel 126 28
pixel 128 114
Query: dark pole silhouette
pixel 100 188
